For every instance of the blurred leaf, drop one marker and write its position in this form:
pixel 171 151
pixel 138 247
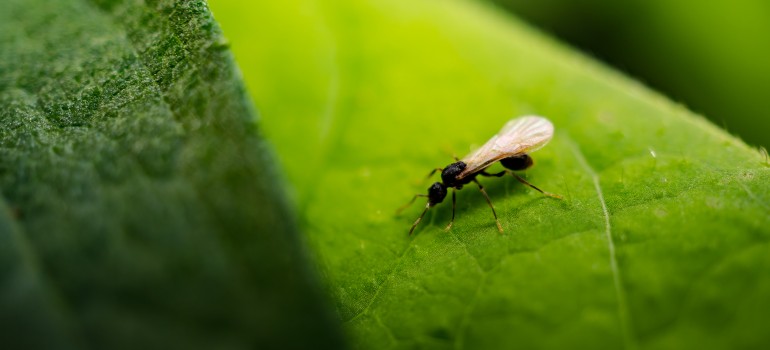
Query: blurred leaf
pixel 711 55
pixel 661 241
pixel 140 208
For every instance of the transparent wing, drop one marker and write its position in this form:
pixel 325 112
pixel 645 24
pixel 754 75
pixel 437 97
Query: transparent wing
pixel 519 136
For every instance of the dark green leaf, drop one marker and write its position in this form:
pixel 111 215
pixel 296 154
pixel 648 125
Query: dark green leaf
pixel 141 209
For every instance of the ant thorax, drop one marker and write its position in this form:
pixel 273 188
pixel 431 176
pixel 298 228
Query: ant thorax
pixel 450 172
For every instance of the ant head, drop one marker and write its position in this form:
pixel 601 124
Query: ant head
pixel 449 174
pixel 436 193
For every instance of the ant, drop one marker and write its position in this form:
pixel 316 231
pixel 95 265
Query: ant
pixel 511 147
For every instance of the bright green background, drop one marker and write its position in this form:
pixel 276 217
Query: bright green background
pixel 661 241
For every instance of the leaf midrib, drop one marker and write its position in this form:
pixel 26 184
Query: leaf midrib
pixel 628 336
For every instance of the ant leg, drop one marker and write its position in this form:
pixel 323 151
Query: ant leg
pixel 481 188
pixel 535 187
pixel 484 173
pixel 454 201
pixel 410 203
pixel 433 172
pixel 427 206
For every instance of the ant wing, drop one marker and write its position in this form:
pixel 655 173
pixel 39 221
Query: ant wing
pixel 519 136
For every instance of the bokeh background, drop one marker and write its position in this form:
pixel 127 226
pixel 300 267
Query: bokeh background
pixel 712 56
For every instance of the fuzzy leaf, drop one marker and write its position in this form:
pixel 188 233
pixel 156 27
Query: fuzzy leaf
pixel 661 240
pixel 139 206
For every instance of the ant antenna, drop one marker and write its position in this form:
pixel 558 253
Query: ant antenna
pixel 399 210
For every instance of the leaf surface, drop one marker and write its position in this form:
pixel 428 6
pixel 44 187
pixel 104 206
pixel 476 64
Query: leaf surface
pixel 140 208
pixel 661 240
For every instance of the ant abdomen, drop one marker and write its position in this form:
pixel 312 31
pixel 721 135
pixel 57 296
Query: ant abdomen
pixel 516 163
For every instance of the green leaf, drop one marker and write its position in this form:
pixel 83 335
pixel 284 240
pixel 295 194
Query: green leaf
pixel 661 240
pixel 139 205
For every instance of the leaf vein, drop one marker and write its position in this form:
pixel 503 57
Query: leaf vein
pixel 623 313
pixel 753 196
pixel 386 328
pixel 462 329
pixel 380 287
pixel 465 248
